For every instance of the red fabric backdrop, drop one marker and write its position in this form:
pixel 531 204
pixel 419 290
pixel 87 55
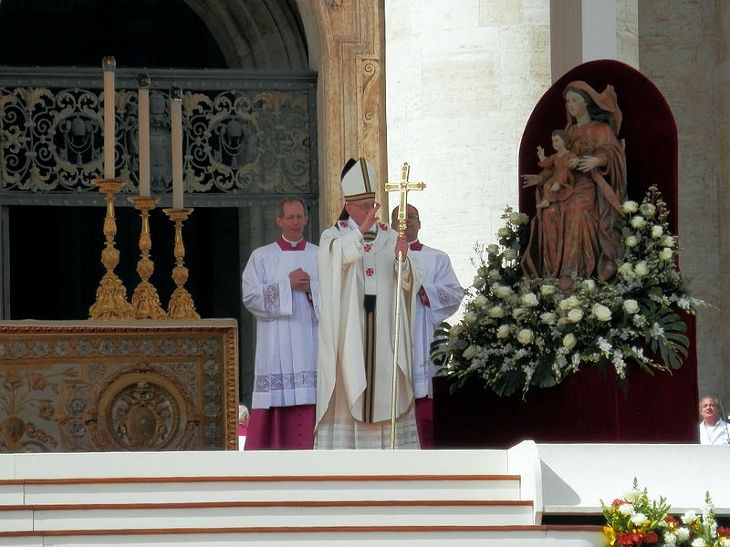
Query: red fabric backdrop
pixel 589 406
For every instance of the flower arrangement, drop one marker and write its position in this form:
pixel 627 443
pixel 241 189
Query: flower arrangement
pixel 635 520
pixel 519 332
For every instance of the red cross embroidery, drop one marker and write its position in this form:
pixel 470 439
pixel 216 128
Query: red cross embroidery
pixel 369 272
pixel 343 224
pixel 367 247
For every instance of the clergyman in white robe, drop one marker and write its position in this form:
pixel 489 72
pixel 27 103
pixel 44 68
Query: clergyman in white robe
pixel 286 344
pixel 438 299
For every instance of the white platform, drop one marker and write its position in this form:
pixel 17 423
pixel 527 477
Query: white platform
pixel 449 497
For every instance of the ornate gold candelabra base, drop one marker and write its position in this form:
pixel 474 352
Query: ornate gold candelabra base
pixel 181 303
pixel 145 300
pixel 111 295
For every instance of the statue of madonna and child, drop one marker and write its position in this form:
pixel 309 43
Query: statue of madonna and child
pixel 579 192
pixel 596 281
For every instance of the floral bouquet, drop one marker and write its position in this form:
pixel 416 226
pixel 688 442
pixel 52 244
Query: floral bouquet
pixel 636 520
pixel 520 332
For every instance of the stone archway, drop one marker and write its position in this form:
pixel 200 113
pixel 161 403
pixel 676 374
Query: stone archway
pixel 347 49
pixel 345 40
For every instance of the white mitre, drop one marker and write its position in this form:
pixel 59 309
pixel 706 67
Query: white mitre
pixel 358 179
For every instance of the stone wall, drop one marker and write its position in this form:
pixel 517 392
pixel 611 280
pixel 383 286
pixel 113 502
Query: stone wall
pixel 683 49
pixel 461 81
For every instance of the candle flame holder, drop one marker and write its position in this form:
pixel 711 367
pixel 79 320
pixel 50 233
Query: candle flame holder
pixel 181 302
pixel 145 300
pixel 111 295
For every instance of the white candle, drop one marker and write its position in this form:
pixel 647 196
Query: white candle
pixel 109 64
pixel 177 148
pixel 144 136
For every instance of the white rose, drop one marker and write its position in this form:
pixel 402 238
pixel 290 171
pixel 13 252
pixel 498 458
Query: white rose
pixel 548 318
pixel 470 352
pixel 495 312
pixel 657 231
pixel 470 318
pixel 631 241
pixel 524 336
pixel 626 270
pixel 689 517
pixel 588 284
pixel 641 269
pixel 666 254
pixel 568 303
pixel 547 290
pixel 626 509
pixel 601 312
pixel 510 254
pixel 683 534
pixel 518 218
pixel 455 331
pixel 668 241
pixel 501 291
pixel 518 312
pixel 698 542
pixel 478 282
pixel 503 232
pixel 630 206
pixel 638 518
pixel 569 340
pixel 647 209
pixel 529 299
pixel 575 315
pixel 670 539
pixel 480 301
pixel 637 222
pixel 492 249
pixel 503 332
pixel 494 275
pixel 631 306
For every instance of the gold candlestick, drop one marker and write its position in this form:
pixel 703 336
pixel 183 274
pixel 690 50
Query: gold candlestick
pixel 111 295
pixel 181 303
pixel 145 300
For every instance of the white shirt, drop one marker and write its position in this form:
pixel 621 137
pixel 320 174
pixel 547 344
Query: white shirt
pixel 714 434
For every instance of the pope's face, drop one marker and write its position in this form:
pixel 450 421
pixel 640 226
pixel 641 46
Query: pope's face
pixel 293 221
pixel 575 104
pixel 358 210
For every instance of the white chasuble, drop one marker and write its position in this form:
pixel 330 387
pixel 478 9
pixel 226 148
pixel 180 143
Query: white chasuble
pixel 347 265
pixel 286 324
pixel 440 298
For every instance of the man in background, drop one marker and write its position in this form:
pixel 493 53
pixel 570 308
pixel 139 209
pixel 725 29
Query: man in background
pixel 439 297
pixel 713 429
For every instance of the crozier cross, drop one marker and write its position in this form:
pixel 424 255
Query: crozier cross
pixel 403 186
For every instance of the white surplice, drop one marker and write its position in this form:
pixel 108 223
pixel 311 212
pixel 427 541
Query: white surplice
pixel 348 267
pixel 444 294
pixel 286 325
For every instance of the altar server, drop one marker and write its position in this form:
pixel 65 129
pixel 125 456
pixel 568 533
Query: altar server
pixel 280 289
pixel 439 297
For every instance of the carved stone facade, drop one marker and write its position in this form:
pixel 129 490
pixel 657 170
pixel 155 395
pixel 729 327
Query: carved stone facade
pixel 346 41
